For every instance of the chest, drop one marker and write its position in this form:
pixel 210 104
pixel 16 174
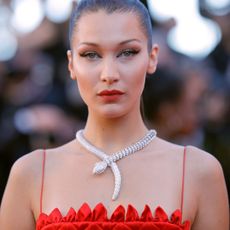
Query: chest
pixel 155 183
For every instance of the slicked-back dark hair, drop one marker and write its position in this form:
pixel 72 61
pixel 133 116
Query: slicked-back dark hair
pixel 112 6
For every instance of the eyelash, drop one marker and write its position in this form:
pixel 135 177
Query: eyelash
pixel 126 53
pixel 130 52
pixel 89 55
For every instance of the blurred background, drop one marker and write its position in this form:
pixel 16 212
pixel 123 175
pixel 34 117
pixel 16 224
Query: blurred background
pixel 186 100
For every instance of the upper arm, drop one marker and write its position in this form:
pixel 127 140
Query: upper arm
pixel 16 211
pixel 213 209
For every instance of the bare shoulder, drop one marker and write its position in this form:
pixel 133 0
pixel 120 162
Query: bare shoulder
pixel 16 201
pixel 197 160
pixel 32 162
pixel 205 186
pixel 20 201
pixel 209 184
pixel 26 167
pixel 200 165
pixel 26 173
pixel 203 164
pixel 27 170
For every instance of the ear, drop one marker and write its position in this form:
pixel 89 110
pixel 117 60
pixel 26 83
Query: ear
pixel 70 64
pixel 153 59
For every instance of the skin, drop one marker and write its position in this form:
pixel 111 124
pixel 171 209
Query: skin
pixel 151 176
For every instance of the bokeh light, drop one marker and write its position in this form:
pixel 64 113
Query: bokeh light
pixel 193 35
pixel 28 15
pixel 8 41
pixel 58 11
pixel 220 7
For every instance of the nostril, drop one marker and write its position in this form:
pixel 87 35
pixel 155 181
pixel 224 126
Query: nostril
pixel 110 72
pixel 110 79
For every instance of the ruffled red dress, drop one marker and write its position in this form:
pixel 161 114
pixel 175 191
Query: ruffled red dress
pixel 121 219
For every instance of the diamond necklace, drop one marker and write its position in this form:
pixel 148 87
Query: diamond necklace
pixel 110 160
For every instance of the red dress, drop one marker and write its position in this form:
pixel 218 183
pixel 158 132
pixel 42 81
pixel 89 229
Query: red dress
pixel 121 219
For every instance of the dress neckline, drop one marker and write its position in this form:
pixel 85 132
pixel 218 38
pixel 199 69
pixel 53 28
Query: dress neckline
pixel 120 214
pixel 98 215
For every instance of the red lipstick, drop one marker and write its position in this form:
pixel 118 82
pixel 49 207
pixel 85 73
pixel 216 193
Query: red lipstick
pixel 110 92
pixel 110 95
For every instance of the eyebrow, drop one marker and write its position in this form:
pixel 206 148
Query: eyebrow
pixel 121 43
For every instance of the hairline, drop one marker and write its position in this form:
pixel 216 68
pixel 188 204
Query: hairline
pixel 108 12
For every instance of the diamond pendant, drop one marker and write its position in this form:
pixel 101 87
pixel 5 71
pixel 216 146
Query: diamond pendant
pixel 100 167
pixel 110 160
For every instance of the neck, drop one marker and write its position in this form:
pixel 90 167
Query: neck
pixel 111 135
pixel 164 129
pixel 110 161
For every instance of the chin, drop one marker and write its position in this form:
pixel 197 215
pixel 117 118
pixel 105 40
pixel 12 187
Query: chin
pixel 112 113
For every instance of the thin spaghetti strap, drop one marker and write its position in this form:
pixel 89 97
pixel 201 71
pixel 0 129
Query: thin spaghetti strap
pixel 183 179
pixel 43 178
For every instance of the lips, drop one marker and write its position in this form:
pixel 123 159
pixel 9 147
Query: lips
pixel 110 92
pixel 110 96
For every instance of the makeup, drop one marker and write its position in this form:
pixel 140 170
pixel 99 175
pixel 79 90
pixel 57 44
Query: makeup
pixel 110 95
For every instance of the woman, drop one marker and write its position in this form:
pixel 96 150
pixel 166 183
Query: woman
pixel 111 52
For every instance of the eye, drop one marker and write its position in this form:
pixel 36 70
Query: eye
pixel 128 53
pixel 90 55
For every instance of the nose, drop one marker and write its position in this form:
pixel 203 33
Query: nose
pixel 109 72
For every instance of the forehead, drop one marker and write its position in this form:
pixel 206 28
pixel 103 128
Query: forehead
pixel 104 27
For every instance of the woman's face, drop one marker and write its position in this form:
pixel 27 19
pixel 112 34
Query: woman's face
pixel 109 61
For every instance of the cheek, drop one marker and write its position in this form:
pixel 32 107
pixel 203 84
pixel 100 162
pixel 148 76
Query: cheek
pixel 84 75
pixel 85 87
pixel 135 75
pixel 85 82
